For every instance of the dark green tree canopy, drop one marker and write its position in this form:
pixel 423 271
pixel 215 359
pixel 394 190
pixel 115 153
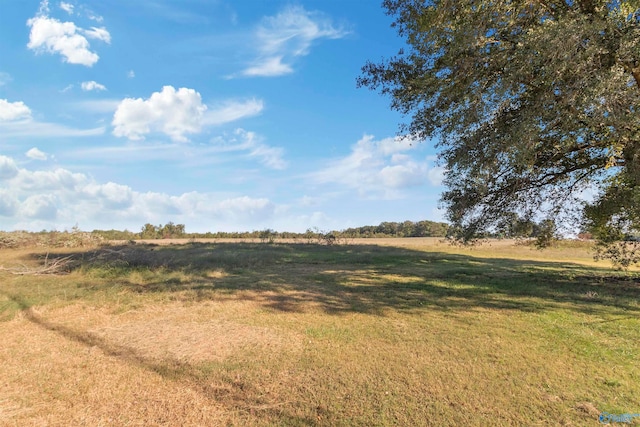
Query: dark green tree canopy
pixel 530 102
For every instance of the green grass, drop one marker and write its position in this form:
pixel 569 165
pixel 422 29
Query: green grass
pixel 297 334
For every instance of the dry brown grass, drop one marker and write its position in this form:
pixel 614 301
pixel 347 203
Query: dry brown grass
pixel 50 379
pixel 219 334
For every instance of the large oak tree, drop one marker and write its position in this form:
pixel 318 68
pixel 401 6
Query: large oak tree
pixel 530 102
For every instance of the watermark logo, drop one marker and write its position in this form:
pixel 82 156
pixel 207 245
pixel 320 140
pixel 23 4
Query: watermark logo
pixel 607 418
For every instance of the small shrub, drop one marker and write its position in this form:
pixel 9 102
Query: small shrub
pixel 267 236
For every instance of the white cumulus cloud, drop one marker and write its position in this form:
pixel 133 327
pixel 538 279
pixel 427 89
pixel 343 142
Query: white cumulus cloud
pixel 10 111
pixel 111 195
pixel 8 203
pixel 176 113
pixel 8 168
pixel 286 36
pixel 46 182
pixel 52 36
pixel 403 175
pixel 173 112
pixel 36 154
pixel 92 85
pixel 55 199
pixel 380 168
pixel 436 175
pixel 41 206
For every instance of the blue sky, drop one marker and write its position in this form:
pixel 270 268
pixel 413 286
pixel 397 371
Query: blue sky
pixel 220 115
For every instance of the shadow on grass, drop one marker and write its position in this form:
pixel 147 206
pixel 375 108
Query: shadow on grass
pixel 360 278
pixel 340 279
pixel 233 393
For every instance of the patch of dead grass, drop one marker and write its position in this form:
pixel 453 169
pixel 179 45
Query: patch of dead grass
pixel 50 380
pixel 161 338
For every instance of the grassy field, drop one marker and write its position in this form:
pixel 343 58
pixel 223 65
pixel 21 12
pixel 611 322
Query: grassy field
pixel 374 333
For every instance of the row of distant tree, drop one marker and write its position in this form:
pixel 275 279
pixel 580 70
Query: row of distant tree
pixel 384 229
pixel 514 227
pixel 399 229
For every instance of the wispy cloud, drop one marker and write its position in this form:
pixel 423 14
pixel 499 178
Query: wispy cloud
pixel 239 145
pixel 5 78
pixel 30 128
pixel 98 34
pixel 16 121
pixel 253 145
pixel 283 38
pixel 268 67
pixel 233 110
pixel 67 7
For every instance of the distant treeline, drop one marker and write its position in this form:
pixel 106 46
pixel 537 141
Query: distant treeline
pixel 399 229
pixel 384 229
pixel 517 228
